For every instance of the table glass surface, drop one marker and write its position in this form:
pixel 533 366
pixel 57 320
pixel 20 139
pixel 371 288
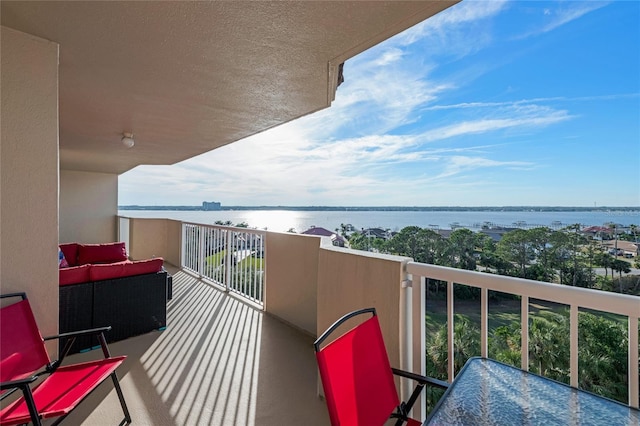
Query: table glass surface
pixel 487 392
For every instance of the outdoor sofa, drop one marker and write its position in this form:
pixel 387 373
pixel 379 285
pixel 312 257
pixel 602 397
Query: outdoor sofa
pixel 100 286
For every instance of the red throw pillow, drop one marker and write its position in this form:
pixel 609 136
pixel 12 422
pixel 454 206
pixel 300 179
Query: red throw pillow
pixel 101 253
pixel 74 275
pixel 70 251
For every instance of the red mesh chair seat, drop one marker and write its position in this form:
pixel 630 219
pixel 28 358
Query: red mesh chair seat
pixel 357 378
pixel 23 358
pixel 60 394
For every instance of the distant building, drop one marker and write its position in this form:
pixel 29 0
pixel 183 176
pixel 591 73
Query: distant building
pixel 384 234
pixel 444 233
pixel 336 239
pixel 496 232
pixel 598 232
pixel 211 206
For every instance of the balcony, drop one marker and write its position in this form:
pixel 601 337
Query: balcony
pixel 240 351
pixel 219 362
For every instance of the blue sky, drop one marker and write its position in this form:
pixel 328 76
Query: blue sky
pixel 488 103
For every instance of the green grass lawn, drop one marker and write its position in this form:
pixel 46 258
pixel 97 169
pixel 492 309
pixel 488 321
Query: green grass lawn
pixel 251 262
pixel 501 312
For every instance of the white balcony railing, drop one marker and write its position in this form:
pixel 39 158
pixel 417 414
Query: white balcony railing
pixel 229 257
pixel 234 259
pixel 575 298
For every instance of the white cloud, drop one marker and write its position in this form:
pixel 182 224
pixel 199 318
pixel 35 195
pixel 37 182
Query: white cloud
pixel 457 17
pixel 389 56
pixel 458 164
pixel 388 135
pixel 526 117
pixel 564 14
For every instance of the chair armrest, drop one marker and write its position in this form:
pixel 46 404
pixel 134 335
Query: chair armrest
pixel 420 378
pixel 72 335
pixel 404 408
pixel 20 383
pixel 79 333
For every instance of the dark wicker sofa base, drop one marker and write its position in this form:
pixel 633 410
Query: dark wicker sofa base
pixel 131 305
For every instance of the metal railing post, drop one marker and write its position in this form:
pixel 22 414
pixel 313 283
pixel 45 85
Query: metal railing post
pixel 228 260
pixel 406 335
pixel 574 297
pixel 201 250
pixel 183 250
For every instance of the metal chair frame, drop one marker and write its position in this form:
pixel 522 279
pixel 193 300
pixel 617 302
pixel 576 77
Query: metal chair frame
pixel 49 370
pixel 401 412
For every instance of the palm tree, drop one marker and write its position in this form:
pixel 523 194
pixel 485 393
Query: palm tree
pixel 466 343
pixel 634 232
pixel 620 266
pixel 548 345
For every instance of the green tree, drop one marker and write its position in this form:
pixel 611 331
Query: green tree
pixel 540 241
pixel 463 245
pixel 549 346
pixel 344 229
pixel 358 241
pixel 516 248
pixel 592 252
pixel 576 240
pixel 620 266
pixel 605 261
pixel 466 343
pixel 602 356
pixel 489 257
pixel 504 344
pixel 423 245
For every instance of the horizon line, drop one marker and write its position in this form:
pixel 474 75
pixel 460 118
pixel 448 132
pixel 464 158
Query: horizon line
pixel 225 207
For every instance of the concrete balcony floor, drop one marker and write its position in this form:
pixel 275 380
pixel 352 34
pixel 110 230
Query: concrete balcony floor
pixel 219 362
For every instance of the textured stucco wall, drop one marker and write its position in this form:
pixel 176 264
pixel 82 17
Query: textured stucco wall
pixel 88 207
pixel 29 173
pixel 292 277
pixel 349 280
pixel 155 238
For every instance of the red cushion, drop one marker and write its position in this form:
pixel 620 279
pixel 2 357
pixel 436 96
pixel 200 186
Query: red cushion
pixel 101 253
pixel 147 266
pixel 60 392
pixel 125 269
pixel 70 251
pixel 74 274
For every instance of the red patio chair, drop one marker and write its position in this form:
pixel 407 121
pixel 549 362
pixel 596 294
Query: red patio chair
pixel 24 359
pixel 358 380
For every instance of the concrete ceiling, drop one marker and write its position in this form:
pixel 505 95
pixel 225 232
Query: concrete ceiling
pixel 187 77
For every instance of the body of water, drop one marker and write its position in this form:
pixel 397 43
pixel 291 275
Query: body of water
pixel 284 220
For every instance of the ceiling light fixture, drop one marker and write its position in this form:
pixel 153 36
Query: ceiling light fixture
pixel 127 140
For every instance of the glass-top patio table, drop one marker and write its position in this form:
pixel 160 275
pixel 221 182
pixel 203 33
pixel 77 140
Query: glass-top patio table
pixel 487 392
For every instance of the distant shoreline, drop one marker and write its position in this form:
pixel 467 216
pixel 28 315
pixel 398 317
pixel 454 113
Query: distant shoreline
pixel 392 208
